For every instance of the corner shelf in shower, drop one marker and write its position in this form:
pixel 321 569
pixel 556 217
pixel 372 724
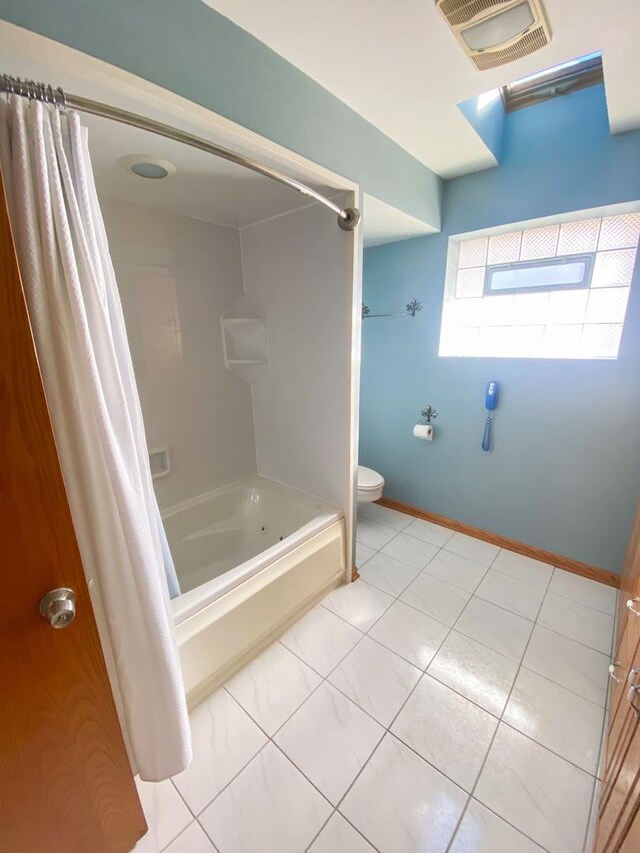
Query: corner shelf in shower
pixel 244 340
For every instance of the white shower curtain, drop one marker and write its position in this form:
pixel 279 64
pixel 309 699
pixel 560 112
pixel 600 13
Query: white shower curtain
pixel 88 377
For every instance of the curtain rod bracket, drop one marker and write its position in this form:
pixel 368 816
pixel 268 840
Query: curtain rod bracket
pixel 348 218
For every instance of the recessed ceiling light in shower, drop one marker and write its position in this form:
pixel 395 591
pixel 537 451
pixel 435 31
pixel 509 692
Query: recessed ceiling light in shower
pixel 148 166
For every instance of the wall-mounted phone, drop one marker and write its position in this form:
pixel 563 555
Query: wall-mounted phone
pixel 491 402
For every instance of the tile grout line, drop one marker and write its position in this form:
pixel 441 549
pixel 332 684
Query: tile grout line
pixel 324 679
pixel 546 678
pixel 423 570
pixel 501 720
pixel 512 825
pixel 385 728
pixel 182 832
pixel 423 672
pixel 270 739
pixel 490 566
pixel 581 603
pixel 451 628
pixel 507 610
pixel 535 623
pixel 572 640
pixel 591 808
pixel 195 817
pixel 595 800
pixel 482 766
pixel 520 664
pixel 388 728
pixel 545 747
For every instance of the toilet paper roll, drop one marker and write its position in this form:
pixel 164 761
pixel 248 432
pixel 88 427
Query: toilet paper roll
pixel 423 431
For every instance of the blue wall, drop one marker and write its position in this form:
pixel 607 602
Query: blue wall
pixel 187 47
pixel 565 471
pixel 485 113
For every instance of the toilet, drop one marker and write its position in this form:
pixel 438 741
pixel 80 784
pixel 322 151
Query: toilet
pixel 370 485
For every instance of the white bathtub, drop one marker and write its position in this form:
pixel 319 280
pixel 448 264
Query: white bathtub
pixel 250 557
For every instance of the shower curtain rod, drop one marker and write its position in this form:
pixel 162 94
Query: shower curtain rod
pixel 348 217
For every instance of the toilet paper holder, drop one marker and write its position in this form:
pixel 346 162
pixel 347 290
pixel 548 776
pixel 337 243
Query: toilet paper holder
pixel 424 428
pixel 429 414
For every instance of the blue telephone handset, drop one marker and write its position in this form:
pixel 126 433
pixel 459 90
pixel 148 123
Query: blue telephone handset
pixel 490 401
pixel 491 396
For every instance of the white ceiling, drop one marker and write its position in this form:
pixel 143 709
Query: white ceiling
pixel 386 224
pixel 213 189
pixel 398 65
pixel 205 187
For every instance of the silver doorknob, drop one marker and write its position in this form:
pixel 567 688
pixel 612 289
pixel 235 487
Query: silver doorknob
pixel 631 608
pixel 58 607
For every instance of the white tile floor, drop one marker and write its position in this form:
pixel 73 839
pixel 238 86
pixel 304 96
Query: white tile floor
pixel 451 700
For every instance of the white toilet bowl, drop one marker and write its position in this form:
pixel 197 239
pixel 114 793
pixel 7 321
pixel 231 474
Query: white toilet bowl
pixel 370 485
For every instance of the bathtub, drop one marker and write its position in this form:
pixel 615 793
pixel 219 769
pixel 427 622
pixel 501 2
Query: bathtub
pixel 250 558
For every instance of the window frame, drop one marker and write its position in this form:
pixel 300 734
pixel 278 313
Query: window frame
pixel 559 80
pixel 588 257
pixel 454 240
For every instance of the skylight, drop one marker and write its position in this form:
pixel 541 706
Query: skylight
pixel 553 82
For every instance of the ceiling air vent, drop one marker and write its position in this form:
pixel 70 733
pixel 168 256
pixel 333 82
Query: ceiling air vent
pixel 494 32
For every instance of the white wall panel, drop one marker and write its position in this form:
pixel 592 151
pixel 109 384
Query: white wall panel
pixel 176 275
pixel 298 270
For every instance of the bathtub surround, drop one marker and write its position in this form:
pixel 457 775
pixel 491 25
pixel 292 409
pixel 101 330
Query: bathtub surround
pixel 176 276
pixel 563 475
pixel 302 423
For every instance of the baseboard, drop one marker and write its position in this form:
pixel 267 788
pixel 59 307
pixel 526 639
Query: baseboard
pixel 567 563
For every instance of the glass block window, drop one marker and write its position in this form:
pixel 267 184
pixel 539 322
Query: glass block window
pixel 557 290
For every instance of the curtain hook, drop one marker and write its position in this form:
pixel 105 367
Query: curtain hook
pixel 60 99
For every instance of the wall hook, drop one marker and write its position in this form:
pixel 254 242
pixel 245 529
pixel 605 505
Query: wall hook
pixel 412 309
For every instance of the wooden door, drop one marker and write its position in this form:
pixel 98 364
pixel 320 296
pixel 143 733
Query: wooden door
pixel 619 809
pixel 65 781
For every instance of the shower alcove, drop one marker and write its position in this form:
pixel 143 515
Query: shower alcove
pixel 240 338
pixel 241 302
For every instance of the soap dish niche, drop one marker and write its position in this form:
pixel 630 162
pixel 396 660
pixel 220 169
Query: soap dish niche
pixel 244 340
pixel 159 462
